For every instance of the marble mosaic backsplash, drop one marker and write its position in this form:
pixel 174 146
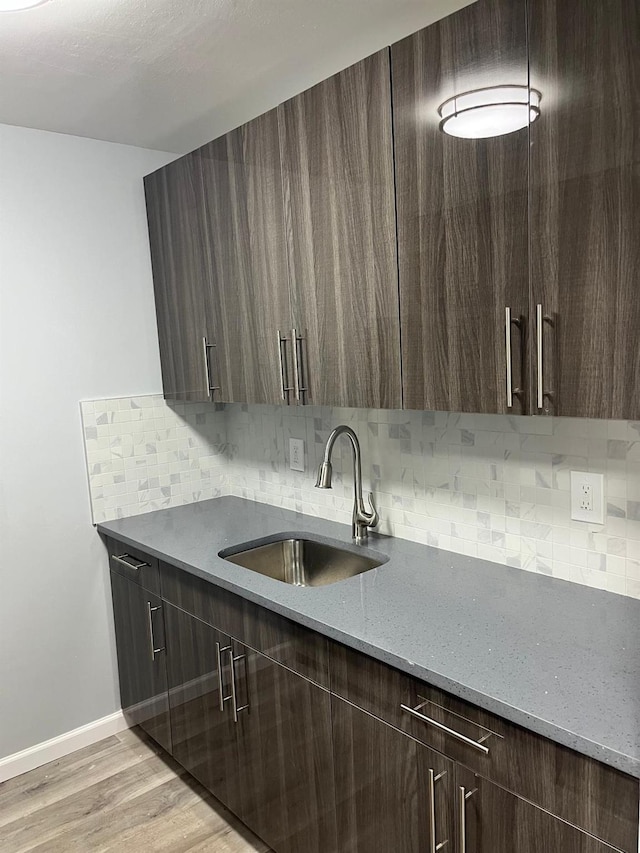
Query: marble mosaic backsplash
pixel 491 486
pixel 143 454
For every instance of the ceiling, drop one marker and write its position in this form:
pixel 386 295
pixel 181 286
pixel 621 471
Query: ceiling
pixel 173 74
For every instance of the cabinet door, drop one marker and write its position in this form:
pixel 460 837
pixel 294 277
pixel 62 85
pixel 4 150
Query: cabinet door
pixel 338 179
pixel 585 203
pixel 140 646
pixel 385 796
pixel 180 276
pixel 249 294
pixel 204 734
pixel 285 756
pixel 462 214
pixel 492 820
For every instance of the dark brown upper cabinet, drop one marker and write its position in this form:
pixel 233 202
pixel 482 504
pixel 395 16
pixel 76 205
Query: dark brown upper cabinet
pixel 337 155
pixel 248 295
pixel 180 277
pixel 462 215
pixel 289 254
pixel 585 206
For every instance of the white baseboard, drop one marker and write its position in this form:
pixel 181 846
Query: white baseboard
pixel 57 747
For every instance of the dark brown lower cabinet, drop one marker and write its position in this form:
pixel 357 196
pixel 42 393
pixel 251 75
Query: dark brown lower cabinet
pixel 255 734
pixel 285 756
pixel 392 793
pixel 203 730
pixel 140 644
pixel 311 771
pixel 492 820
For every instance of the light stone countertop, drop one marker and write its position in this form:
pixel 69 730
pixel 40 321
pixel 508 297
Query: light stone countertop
pixel 560 659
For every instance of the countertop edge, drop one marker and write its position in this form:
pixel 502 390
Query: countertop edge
pixel 572 740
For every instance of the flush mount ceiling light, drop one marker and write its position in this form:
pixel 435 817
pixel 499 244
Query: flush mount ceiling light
pixel 488 112
pixel 20 5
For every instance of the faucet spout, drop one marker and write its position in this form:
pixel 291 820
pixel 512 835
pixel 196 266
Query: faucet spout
pixel 362 518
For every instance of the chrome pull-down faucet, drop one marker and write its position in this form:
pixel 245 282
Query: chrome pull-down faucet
pixel 362 519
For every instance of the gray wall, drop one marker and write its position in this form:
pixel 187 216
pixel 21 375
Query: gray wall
pixel 77 321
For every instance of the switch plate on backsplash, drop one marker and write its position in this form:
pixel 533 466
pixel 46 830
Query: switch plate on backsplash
pixel 490 486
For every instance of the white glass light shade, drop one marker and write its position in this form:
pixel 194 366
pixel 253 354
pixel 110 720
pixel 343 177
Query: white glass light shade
pixel 20 5
pixel 488 112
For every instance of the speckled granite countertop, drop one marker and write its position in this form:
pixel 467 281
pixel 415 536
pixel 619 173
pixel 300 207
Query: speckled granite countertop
pixel 557 658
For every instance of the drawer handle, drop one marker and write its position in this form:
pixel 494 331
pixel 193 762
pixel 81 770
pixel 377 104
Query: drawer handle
pixel 130 562
pixel 476 744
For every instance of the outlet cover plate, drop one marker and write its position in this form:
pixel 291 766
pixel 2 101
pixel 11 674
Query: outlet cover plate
pixel 587 488
pixel 296 454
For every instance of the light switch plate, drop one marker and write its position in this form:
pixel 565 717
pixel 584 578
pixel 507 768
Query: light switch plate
pixel 296 454
pixel 587 497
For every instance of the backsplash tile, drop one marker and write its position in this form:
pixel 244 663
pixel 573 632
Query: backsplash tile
pixel 491 486
pixel 143 454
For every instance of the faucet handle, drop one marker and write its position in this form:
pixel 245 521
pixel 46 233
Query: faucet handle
pixel 375 518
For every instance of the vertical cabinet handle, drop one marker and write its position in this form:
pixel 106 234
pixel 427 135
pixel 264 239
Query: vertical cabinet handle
pixel 463 796
pixel 539 322
pixel 508 322
pixel 152 642
pixel 433 844
pixel 209 387
pixel 298 367
pixel 233 659
pixel 223 698
pixel 284 388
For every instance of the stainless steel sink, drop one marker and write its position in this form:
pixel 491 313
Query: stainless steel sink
pixel 304 562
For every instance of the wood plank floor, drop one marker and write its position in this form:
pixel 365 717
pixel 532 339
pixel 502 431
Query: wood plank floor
pixel 122 794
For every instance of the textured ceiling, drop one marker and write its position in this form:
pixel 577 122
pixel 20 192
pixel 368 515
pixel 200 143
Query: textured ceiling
pixel 172 74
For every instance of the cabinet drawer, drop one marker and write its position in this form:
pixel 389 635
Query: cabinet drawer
pixel 133 564
pixel 585 792
pixel 296 647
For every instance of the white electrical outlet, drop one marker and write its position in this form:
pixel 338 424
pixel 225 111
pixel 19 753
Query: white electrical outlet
pixel 587 497
pixel 296 454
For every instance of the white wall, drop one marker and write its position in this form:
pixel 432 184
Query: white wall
pixel 77 321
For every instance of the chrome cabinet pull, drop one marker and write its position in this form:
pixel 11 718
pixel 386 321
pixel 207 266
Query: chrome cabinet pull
pixel 508 321
pixel 129 562
pixel 457 735
pixel 284 388
pixel 152 643
pixel 207 368
pixel 433 845
pixel 299 388
pixel 463 796
pixel 219 651
pixel 539 322
pixel 233 659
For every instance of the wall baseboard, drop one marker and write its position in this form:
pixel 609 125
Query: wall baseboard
pixel 57 747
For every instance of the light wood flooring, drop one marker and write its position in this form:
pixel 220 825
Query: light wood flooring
pixel 122 794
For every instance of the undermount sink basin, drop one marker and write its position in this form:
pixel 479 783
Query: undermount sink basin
pixel 302 561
